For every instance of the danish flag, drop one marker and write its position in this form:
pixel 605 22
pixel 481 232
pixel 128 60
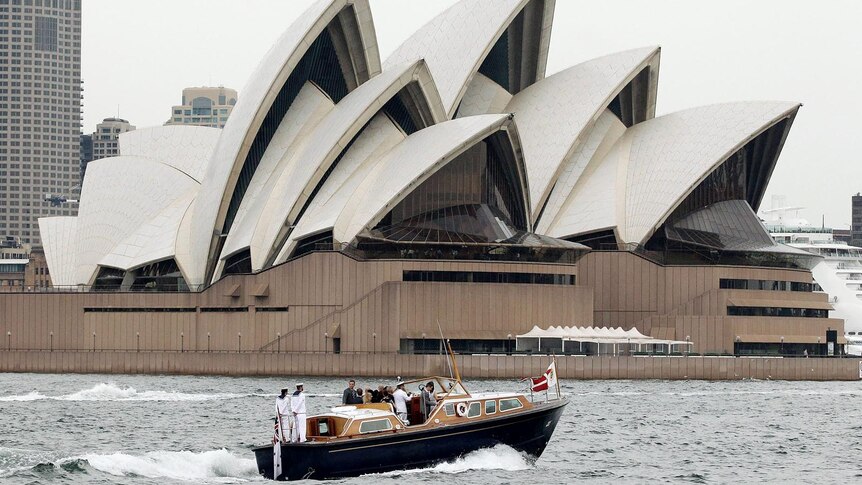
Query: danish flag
pixel 546 380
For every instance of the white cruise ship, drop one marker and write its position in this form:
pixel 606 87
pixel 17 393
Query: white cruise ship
pixel 839 273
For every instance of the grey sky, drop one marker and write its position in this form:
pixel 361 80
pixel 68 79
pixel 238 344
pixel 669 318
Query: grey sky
pixel 139 55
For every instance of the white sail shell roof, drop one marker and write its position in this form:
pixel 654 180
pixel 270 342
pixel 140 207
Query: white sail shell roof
pixel 153 241
pixel 668 157
pixel 593 147
pixel 456 42
pixel 553 114
pixel 408 165
pixel 329 139
pixel 189 149
pixel 59 235
pixel 253 106
pixel 306 112
pixel 483 97
pixel 657 163
pixel 379 137
pixel 119 195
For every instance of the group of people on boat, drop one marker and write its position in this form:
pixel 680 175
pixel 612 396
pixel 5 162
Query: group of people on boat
pixel 290 414
pixel 291 411
pixel 398 397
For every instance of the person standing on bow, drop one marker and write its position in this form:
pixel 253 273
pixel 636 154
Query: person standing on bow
pixel 401 398
pixel 297 404
pixel 283 414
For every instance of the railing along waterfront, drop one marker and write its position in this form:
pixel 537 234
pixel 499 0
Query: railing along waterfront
pixel 514 353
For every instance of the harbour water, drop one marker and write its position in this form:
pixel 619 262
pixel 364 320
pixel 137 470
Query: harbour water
pixel 169 429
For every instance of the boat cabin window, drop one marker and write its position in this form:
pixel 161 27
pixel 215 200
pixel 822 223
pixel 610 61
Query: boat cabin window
pixel 509 404
pixel 450 409
pixel 490 407
pixel 323 426
pixel 475 410
pixel 374 426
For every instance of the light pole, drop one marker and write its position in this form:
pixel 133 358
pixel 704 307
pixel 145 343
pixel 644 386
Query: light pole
pixel 423 342
pixel 208 342
pixel 325 342
pixel 52 341
pixel 94 341
pixel 138 341
pixel 374 337
pixel 509 343
pixel 8 340
pixel 278 339
pixel 782 345
pixel 182 342
pixel 239 343
pixel 687 345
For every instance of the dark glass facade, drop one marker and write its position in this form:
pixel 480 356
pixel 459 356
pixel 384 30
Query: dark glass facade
pixel 742 311
pixel 459 346
pixel 485 277
pixel 765 285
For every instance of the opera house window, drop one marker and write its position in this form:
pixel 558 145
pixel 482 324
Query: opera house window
pixel 741 311
pixel 765 285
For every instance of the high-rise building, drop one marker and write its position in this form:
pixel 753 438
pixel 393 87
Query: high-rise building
pixel 40 111
pixel 856 223
pixel 104 142
pixel 204 107
pixel 107 135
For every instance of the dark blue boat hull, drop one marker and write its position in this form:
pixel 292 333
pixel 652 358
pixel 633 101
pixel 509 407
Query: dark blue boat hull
pixel 528 432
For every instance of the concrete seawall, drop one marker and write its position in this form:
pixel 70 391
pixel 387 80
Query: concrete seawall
pixel 471 366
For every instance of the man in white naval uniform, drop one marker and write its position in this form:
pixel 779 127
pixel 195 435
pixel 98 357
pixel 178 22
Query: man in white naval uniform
pixel 401 399
pixel 297 404
pixel 284 414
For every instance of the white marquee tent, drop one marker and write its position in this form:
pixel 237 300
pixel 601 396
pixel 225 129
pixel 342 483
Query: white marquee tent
pixel 594 340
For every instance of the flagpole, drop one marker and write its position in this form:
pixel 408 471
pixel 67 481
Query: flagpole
pixel 557 378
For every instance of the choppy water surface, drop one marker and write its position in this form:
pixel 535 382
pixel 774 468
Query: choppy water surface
pixel 158 430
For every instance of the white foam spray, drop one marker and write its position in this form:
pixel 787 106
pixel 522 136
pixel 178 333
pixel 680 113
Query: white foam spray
pixel 176 465
pixel 112 392
pixel 500 457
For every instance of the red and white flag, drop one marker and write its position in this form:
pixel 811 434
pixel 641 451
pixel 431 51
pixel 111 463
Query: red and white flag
pixel 546 380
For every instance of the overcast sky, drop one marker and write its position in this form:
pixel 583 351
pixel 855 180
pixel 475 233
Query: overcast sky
pixel 138 56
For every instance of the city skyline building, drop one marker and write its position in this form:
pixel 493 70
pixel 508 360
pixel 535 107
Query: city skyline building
pixel 204 106
pixel 104 142
pixel 40 111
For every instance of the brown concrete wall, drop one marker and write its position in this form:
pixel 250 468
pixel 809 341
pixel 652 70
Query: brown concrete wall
pixel 391 364
pixel 326 295
pixel 676 302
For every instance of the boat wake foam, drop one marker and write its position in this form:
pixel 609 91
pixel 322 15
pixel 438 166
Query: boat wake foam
pixel 176 465
pixel 112 392
pixel 500 457
pixel 209 466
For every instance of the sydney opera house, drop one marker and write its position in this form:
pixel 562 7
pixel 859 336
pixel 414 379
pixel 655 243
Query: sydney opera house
pixel 353 204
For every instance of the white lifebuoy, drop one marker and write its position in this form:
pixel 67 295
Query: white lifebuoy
pixel 461 409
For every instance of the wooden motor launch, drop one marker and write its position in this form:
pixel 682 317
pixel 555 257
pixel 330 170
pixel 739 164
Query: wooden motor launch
pixel 350 441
